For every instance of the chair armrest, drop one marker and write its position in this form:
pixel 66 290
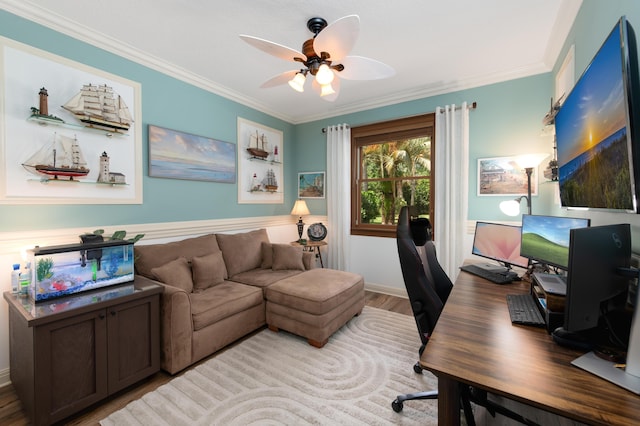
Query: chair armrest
pixel 309 260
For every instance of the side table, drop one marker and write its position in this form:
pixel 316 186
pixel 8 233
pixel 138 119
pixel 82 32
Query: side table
pixel 312 246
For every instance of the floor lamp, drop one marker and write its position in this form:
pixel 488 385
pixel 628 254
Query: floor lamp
pixel 527 162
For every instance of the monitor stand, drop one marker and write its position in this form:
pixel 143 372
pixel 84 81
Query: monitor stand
pixel 629 378
pixel 492 267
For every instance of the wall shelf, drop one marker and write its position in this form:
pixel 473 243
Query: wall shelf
pixel 45 121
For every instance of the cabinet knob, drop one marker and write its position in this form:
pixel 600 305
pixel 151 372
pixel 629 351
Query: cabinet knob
pixel 102 316
pixel 113 313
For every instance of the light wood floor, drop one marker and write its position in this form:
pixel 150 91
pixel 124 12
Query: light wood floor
pixel 11 413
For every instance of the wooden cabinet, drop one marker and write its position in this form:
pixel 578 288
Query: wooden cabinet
pixel 67 355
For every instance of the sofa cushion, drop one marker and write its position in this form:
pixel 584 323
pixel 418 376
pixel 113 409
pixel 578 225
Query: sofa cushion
pixel 243 251
pixel 267 255
pixel 286 256
pixel 151 256
pixel 176 273
pixel 221 301
pixel 207 270
pixel 263 277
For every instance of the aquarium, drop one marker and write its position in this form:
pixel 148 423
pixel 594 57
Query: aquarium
pixel 74 268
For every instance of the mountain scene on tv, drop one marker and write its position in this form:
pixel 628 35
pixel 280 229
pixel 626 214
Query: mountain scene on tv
pixel 591 134
pixel 599 177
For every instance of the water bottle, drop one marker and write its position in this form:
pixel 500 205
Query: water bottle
pixel 25 279
pixel 15 278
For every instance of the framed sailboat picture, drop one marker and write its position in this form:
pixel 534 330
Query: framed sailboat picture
pixel 71 133
pixel 260 164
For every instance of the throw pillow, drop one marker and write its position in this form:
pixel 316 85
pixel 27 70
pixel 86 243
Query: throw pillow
pixel 267 255
pixel 242 251
pixel 286 256
pixel 207 270
pixel 176 273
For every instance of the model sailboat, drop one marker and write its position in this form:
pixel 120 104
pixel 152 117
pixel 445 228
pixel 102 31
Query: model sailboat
pixel 259 149
pixel 100 106
pixel 62 157
pixel 269 182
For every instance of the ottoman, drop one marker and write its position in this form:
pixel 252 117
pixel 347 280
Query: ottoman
pixel 315 303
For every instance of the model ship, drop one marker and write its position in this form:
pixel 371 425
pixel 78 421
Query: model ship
pixel 270 183
pixel 259 149
pixel 100 106
pixel 60 158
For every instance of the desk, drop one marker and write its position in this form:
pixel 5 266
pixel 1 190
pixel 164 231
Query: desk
pixel 312 246
pixel 475 343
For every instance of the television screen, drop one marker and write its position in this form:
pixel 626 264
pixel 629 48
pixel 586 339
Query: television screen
pixel 499 242
pixel 595 130
pixel 546 238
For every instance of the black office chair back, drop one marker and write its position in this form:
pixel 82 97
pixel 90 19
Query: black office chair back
pixel 427 285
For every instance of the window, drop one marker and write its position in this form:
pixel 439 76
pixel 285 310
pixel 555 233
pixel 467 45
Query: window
pixel 391 167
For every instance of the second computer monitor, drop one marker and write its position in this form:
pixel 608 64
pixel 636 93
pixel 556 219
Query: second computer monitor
pixel 546 238
pixel 499 242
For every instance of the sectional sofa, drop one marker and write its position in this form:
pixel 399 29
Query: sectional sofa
pixel 220 287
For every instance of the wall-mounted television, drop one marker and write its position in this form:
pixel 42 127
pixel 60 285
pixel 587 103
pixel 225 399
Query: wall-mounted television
pixel 597 130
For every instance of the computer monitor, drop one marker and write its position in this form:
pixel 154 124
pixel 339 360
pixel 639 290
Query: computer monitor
pixel 546 238
pixel 499 242
pixel 596 284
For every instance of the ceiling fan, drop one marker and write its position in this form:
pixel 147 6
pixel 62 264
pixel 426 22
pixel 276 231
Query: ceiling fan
pixel 324 57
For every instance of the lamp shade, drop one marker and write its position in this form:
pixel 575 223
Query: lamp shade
pixel 510 208
pixel 300 208
pixel 530 160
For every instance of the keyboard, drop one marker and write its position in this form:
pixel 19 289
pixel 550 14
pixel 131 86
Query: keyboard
pixel 494 277
pixel 523 310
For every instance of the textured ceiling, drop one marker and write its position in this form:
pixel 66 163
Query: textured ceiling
pixel 434 46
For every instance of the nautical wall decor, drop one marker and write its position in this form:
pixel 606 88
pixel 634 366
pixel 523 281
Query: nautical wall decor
pixel 71 133
pixel 260 164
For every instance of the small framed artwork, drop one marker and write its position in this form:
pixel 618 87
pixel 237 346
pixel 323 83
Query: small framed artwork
pixel 502 176
pixel 179 155
pixel 260 163
pixel 311 185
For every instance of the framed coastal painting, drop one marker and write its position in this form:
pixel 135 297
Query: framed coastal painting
pixel 54 150
pixel 260 164
pixel 311 185
pixel 502 176
pixel 179 155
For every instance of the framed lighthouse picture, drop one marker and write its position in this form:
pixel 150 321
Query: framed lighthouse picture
pixel 71 133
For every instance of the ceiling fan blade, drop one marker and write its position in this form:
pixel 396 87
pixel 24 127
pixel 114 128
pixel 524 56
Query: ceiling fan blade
pixel 361 68
pixel 338 38
pixel 335 84
pixel 279 79
pixel 275 49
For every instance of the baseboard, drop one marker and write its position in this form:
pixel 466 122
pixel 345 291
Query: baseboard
pixel 5 378
pixel 391 291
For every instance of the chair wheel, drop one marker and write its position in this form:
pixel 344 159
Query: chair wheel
pixel 397 406
pixel 417 368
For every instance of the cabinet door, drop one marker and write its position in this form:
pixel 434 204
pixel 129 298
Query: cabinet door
pixel 70 365
pixel 134 341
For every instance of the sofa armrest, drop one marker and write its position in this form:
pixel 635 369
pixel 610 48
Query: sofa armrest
pixel 176 328
pixel 309 260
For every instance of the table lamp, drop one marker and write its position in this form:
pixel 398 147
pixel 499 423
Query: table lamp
pixel 300 209
pixel 527 162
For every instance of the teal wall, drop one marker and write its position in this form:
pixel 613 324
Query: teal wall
pixel 166 102
pixel 506 122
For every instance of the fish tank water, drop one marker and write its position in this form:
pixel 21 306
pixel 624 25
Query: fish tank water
pixel 69 269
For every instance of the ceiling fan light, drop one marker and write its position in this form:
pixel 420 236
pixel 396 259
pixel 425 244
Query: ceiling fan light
pixel 324 75
pixel 297 82
pixel 326 89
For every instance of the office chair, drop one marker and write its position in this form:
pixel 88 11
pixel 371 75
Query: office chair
pixel 428 288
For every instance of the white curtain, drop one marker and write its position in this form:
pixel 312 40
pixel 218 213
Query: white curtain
pixel 338 195
pixel 452 185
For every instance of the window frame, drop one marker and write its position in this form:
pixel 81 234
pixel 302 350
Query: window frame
pixel 403 128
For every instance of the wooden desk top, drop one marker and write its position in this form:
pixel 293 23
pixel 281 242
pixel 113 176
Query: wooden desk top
pixel 474 342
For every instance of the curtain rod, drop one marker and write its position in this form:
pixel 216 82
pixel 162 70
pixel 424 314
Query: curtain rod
pixel 472 106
